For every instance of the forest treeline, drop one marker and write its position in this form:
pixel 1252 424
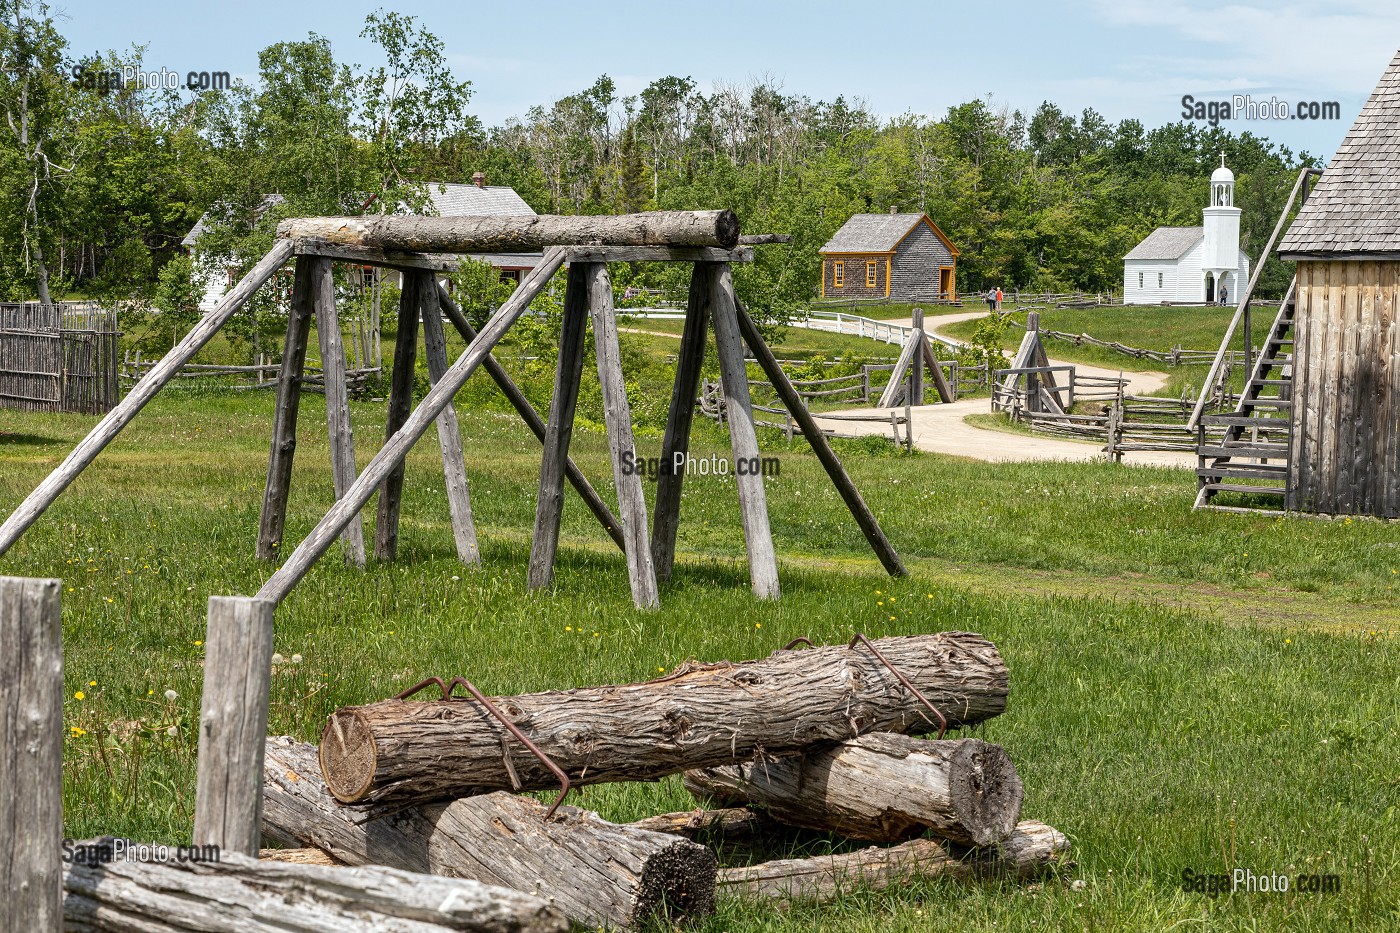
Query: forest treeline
pixel 100 180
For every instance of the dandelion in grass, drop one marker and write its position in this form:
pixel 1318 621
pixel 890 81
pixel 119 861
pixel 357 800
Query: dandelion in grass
pixel 568 628
pixel 296 659
pixel 80 695
pixel 77 731
pixel 173 732
pixel 277 658
pixel 199 644
pixel 92 683
pixel 172 696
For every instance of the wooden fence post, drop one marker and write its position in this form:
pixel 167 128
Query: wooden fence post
pixel 233 724
pixel 454 466
pixel 916 372
pixel 31 756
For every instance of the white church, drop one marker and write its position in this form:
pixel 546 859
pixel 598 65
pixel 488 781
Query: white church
pixel 1191 265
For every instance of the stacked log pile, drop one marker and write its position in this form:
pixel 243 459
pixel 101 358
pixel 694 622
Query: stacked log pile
pixel 821 740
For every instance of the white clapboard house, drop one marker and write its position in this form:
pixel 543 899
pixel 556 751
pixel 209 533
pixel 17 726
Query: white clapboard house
pixel 1190 265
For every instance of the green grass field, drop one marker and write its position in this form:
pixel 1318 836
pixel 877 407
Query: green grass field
pixel 1189 690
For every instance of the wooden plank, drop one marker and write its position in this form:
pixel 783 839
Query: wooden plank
pixel 675 443
pixel 1364 464
pixel 145 389
pixel 393 453
pixel 1330 385
pixel 284 417
pixel 1349 396
pixel 533 420
pixel 1389 417
pixel 454 466
pixel 631 500
pixel 31 755
pixel 450 262
pixel 386 528
pixel 895 387
pixel 342 436
pixel 549 507
pixel 233 724
pixel 748 475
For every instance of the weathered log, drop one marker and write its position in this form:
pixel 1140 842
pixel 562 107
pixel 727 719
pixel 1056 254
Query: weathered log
pixel 238 894
pixel 700 716
pixel 880 787
pixel 519 234
pixel 730 822
pixel 598 873
pixel 1032 849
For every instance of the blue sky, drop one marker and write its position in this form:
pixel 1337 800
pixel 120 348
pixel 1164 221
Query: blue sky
pixel 1129 58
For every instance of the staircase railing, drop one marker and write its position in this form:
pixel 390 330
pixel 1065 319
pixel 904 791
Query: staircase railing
pixel 1242 308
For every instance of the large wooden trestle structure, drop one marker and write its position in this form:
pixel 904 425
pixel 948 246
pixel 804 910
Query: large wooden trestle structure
pixel 423 247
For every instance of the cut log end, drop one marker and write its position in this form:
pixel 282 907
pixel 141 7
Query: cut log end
pixel 986 791
pixel 348 755
pixel 677 883
pixel 727 229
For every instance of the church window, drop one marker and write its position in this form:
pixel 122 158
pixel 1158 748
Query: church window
pixel 1139 280
pixel 1159 280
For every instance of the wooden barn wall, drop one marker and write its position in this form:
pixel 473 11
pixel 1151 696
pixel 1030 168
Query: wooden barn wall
pixel 916 262
pixel 854 286
pixel 1346 390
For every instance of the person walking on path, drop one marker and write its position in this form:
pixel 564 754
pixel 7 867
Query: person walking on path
pixel 991 299
pixel 1224 294
pixel 998 297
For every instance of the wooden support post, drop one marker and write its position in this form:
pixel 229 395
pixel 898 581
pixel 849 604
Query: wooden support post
pixel 342 437
pixel 946 392
pixel 748 475
pixel 533 420
pixel 233 724
pixel 454 466
pixel 31 756
pixel 627 475
pixel 916 369
pixel 549 507
pixel 386 529
pixel 821 447
pixel 284 417
pixel 392 454
pixel 676 442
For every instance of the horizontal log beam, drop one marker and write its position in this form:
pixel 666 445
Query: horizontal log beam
pixel 240 893
pixel 525 233
pixel 598 873
pixel 701 716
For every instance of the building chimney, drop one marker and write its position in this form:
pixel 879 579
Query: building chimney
pixel 479 179
pixel 894 209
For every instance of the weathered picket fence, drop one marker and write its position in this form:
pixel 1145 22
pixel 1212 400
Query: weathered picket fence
pixel 59 357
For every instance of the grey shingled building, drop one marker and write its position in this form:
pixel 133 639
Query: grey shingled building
pixel 899 257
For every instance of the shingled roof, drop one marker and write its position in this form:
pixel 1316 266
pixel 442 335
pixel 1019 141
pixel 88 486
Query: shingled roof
pixel 871 233
pixel 1355 208
pixel 452 200
pixel 1167 243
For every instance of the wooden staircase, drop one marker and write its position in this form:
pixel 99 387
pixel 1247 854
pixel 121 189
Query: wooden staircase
pixel 1251 456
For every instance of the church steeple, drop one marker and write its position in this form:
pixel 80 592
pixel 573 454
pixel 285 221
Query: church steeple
pixel 1221 256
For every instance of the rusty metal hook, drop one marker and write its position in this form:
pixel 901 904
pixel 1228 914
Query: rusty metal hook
pixel 860 639
pixel 514 730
